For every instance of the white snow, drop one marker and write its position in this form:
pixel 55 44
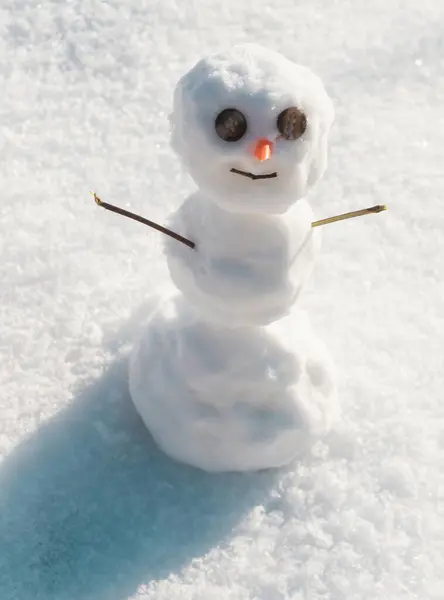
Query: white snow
pixel 231 399
pixel 260 83
pixel 89 508
pixel 247 269
pixel 228 376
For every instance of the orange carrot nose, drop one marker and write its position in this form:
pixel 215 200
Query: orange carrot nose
pixel 263 149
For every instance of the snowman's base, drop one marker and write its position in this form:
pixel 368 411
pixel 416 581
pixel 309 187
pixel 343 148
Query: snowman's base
pixel 236 399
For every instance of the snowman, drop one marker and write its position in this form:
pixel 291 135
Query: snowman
pixel 228 375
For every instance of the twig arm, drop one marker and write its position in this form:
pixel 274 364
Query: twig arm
pixel 126 213
pixel 350 215
pixel 130 215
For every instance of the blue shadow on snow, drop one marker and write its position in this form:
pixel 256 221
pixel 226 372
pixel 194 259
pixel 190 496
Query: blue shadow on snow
pixel 90 508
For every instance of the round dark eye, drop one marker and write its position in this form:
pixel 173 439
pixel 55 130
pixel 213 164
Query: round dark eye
pixel 292 123
pixel 231 125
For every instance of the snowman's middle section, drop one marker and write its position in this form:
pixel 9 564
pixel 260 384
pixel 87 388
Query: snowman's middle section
pixel 247 269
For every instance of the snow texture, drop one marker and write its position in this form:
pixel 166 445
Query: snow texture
pixel 261 83
pixel 90 509
pixel 226 377
pixel 247 269
pixel 231 399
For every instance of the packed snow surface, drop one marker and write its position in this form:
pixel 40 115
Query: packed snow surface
pixel 260 83
pixel 90 508
pixel 231 399
pixel 246 269
pixel 228 377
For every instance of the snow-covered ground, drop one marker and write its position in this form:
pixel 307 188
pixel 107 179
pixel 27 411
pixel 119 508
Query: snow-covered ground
pixel 90 509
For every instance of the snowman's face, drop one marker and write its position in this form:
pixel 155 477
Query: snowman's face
pixel 251 127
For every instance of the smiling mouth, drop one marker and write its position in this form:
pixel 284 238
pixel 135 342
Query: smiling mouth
pixel 253 176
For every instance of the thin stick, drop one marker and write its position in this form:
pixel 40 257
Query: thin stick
pixel 130 215
pixel 126 213
pixel 350 215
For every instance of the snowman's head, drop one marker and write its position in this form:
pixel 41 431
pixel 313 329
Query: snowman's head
pixel 251 127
